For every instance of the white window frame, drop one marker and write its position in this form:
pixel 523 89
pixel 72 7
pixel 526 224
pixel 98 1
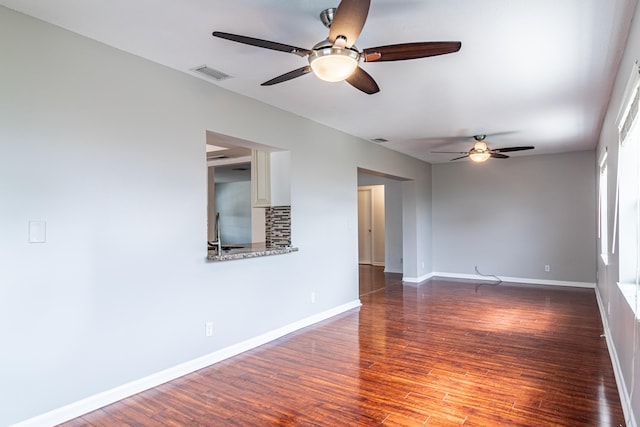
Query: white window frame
pixel 603 208
pixel 630 289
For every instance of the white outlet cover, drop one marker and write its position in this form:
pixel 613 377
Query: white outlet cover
pixel 37 231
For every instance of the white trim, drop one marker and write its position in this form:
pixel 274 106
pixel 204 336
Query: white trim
pixel 617 369
pixel 628 291
pixel 107 397
pixel 516 280
pixel 417 279
pixel 633 83
pixel 614 231
pixel 603 170
pixel 603 156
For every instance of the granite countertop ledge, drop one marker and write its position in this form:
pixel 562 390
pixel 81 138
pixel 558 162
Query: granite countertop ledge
pixel 245 253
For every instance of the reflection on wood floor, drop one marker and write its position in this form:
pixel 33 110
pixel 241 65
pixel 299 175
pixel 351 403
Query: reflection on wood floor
pixel 373 278
pixel 445 353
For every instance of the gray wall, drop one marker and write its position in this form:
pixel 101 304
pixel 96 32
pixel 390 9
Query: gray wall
pixel 623 334
pixel 512 217
pixel 109 150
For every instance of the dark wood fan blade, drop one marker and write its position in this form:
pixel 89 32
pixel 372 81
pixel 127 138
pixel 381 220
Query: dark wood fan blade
pixel 349 20
pixel 400 52
pixel 262 43
pixel 288 76
pixel 361 80
pixel 499 156
pixel 458 158
pixel 509 149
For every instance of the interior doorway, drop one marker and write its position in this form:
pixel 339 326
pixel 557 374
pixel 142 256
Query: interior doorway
pixel 380 209
pixel 371 225
pixel 365 249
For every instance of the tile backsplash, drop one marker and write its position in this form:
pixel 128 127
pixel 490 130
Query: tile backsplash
pixel 278 226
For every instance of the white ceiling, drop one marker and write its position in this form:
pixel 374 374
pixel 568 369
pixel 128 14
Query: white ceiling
pixel 535 72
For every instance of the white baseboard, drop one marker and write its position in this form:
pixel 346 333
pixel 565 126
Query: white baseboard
pixel 515 280
pixel 99 400
pixel 417 279
pixel 625 399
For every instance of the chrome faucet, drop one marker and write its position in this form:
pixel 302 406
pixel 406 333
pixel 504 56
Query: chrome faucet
pixel 216 243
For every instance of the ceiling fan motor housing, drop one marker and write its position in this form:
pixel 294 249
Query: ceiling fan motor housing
pixel 326 16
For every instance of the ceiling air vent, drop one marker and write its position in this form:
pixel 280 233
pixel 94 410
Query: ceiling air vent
pixel 217 75
pixel 379 140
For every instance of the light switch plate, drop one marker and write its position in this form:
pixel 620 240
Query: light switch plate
pixel 37 231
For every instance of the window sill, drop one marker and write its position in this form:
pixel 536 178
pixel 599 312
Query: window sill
pixel 628 290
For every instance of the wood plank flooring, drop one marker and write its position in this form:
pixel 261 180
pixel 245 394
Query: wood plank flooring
pixel 445 353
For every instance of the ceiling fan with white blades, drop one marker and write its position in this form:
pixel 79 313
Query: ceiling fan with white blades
pixel 480 152
pixel 336 58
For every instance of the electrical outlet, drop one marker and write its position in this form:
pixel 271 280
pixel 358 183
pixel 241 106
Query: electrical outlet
pixel 313 297
pixel 208 329
pixel 547 268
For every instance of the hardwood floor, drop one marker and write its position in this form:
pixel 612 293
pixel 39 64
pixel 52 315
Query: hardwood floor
pixel 445 353
pixel 373 278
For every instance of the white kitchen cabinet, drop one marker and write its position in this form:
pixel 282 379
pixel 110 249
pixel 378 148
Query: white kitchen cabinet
pixel 260 179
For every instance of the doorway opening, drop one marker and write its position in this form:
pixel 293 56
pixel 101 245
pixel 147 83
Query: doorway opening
pixel 371 225
pixel 380 229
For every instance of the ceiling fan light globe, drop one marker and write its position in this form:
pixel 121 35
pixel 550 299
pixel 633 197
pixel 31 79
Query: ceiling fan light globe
pixel 480 156
pixel 332 64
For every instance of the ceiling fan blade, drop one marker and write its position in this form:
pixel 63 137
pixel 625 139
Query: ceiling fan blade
pixel 288 76
pixel 349 20
pixel 508 149
pixel 499 156
pixel 403 51
pixel 361 80
pixel 262 43
pixel 458 158
pixel 451 152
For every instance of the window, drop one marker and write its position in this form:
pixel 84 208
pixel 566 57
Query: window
pixel 603 226
pixel 628 199
pixel 629 194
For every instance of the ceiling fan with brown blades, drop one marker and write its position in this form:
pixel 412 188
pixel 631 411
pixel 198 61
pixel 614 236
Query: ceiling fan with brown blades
pixel 480 152
pixel 336 58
